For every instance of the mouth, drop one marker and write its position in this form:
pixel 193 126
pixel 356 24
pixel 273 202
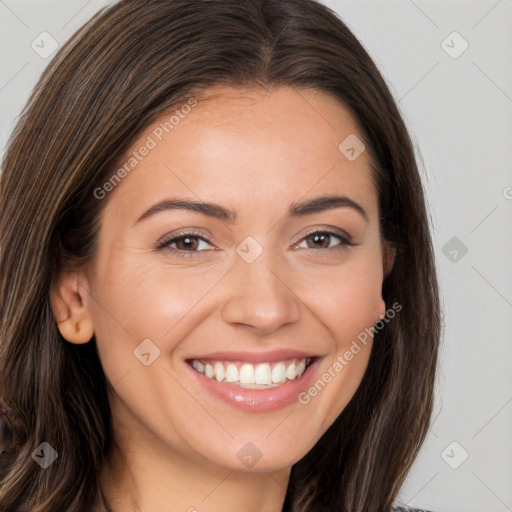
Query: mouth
pixel 254 382
pixel 262 375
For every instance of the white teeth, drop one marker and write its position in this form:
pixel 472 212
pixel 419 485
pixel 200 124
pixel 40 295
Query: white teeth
pixel 263 374
pixel 257 376
pixel 278 373
pixel 231 373
pixel 290 371
pixel 219 372
pixel 246 374
pixel 198 366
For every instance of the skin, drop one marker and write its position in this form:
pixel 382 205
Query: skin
pixel 255 152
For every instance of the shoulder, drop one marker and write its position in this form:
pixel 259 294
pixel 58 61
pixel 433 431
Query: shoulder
pixel 409 509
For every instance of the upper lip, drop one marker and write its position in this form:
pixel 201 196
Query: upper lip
pixel 256 356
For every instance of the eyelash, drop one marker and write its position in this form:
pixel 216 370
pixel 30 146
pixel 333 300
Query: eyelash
pixel 164 244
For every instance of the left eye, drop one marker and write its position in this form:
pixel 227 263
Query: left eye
pixel 320 237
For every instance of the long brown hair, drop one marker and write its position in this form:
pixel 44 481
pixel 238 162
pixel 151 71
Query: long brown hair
pixel 115 76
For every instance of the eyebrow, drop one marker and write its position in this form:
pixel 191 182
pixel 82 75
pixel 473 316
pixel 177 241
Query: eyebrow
pixel 216 211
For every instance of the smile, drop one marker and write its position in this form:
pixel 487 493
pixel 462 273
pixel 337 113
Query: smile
pixel 255 381
pixel 262 375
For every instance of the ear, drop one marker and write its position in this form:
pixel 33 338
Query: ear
pixel 67 297
pixel 388 260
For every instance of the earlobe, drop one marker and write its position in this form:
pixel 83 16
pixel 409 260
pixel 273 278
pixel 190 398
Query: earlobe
pixel 76 332
pixel 70 309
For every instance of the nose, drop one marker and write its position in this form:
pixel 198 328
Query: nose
pixel 259 296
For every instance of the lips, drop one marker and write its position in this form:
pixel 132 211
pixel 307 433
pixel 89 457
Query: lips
pixel 255 356
pixel 254 381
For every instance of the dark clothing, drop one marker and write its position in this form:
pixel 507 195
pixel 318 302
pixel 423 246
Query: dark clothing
pixel 409 509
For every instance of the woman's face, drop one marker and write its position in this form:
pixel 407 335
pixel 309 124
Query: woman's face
pixel 266 277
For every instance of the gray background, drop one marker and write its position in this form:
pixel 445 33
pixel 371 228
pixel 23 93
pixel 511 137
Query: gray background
pixel 458 106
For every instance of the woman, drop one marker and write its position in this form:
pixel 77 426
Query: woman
pixel 218 289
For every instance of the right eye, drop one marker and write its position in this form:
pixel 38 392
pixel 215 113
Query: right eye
pixel 189 242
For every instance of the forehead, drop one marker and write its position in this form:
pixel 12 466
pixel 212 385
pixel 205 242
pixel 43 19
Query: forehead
pixel 248 148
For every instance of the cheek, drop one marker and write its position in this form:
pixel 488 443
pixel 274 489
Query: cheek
pixel 135 301
pixel 346 300
pixel 347 307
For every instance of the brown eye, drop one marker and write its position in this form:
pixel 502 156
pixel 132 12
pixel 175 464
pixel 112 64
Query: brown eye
pixel 186 244
pixel 322 240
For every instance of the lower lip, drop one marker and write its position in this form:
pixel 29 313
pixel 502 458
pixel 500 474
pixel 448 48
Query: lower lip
pixel 257 400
